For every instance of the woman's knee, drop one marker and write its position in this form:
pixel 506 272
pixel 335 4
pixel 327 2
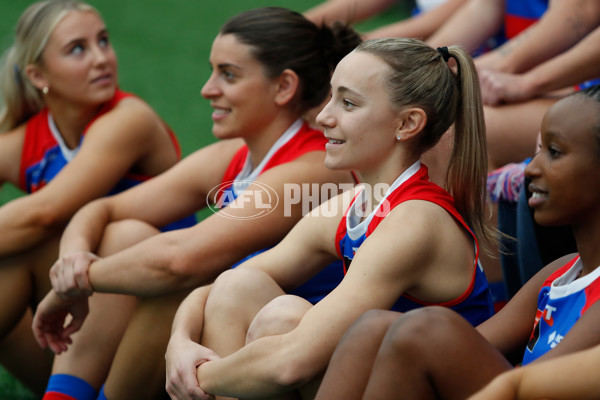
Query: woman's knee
pixel 423 329
pixel 279 316
pixel 122 234
pixel 241 291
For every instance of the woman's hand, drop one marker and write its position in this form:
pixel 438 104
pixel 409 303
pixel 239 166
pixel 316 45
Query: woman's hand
pixel 49 321
pixel 499 87
pixel 183 357
pixel 69 275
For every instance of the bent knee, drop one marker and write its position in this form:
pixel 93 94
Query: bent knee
pixel 122 234
pixel 241 290
pixel 279 316
pixel 425 326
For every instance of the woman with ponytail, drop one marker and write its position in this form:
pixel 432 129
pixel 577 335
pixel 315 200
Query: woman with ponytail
pixel 404 241
pixel 433 353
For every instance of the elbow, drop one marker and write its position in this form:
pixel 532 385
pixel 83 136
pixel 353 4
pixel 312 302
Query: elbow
pixel 292 371
pixel 49 219
pixel 179 267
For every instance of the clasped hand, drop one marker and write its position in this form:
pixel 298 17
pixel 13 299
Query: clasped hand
pixel 183 357
pixel 69 275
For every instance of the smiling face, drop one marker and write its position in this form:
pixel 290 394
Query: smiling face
pixel 78 62
pixel 242 97
pixel 566 171
pixel 359 120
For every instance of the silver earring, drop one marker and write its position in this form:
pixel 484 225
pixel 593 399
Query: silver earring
pixel 45 90
pixel 398 137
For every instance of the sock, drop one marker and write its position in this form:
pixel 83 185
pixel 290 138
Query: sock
pixel 68 387
pixel 101 395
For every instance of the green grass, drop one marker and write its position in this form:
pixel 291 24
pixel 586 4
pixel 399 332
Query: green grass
pixel 163 47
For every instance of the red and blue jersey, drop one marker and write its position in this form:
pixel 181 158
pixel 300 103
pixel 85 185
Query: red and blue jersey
pixel 475 304
pixel 296 141
pixel 45 154
pixel 299 139
pixel 521 14
pixel 563 299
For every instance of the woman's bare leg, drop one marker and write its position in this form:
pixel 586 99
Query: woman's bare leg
pixel 23 282
pixel 24 359
pixel 433 353
pixel 235 299
pixel 138 368
pixel 94 346
pixel 279 316
pixel 349 369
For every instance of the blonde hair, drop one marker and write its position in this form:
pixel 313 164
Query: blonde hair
pixel 420 77
pixel 20 99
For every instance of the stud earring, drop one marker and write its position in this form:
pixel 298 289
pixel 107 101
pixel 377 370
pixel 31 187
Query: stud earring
pixel 45 90
pixel 399 138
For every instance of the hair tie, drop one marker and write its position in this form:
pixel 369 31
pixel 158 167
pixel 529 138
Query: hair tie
pixel 444 52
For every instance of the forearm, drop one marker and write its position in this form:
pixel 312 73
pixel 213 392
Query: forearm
pixel 421 26
pixel 459 29
pixel 562 26
pixel 254 371
pixel 570 68
pixel 350 11
pixel 573 376
pixel 85 230
pixel 25 225
pixel 150 268
pixel 189 318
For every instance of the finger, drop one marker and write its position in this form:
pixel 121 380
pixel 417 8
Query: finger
pixel 54 276
pixel 81 276
pixel 69 282
pixel 39 337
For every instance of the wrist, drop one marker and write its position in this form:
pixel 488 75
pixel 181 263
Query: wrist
pixel 530 85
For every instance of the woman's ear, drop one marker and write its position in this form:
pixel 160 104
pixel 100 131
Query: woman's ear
pixel 287 86
pixel 36 76
pixel 410 123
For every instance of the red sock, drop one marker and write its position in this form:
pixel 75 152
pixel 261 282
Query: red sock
pixel 57 396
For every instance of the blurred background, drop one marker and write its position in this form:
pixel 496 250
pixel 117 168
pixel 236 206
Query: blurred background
pixel 163 47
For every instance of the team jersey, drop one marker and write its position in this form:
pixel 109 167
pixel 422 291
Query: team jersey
pixel 299 139
pixel 475 304
pixel 521 14
pixel 563 299
pixel 45 154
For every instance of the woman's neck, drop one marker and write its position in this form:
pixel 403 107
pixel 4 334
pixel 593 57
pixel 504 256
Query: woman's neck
pixel 386 173
pixel 261 142
pixel 71 121
pixel 586 237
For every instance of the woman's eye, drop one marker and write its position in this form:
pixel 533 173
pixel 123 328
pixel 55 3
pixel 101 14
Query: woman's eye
pixel 77 49
pixel 104 42
pixel 227 75
pixel 347 103
pixel 554 152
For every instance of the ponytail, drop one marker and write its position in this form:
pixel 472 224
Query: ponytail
pixel 20 99
pixel 467 169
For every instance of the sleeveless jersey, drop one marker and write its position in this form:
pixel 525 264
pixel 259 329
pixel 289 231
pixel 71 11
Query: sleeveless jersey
pixel 299 139
pixel 45 154
pixel 521 14
pixel 475 304
pixel 563 299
